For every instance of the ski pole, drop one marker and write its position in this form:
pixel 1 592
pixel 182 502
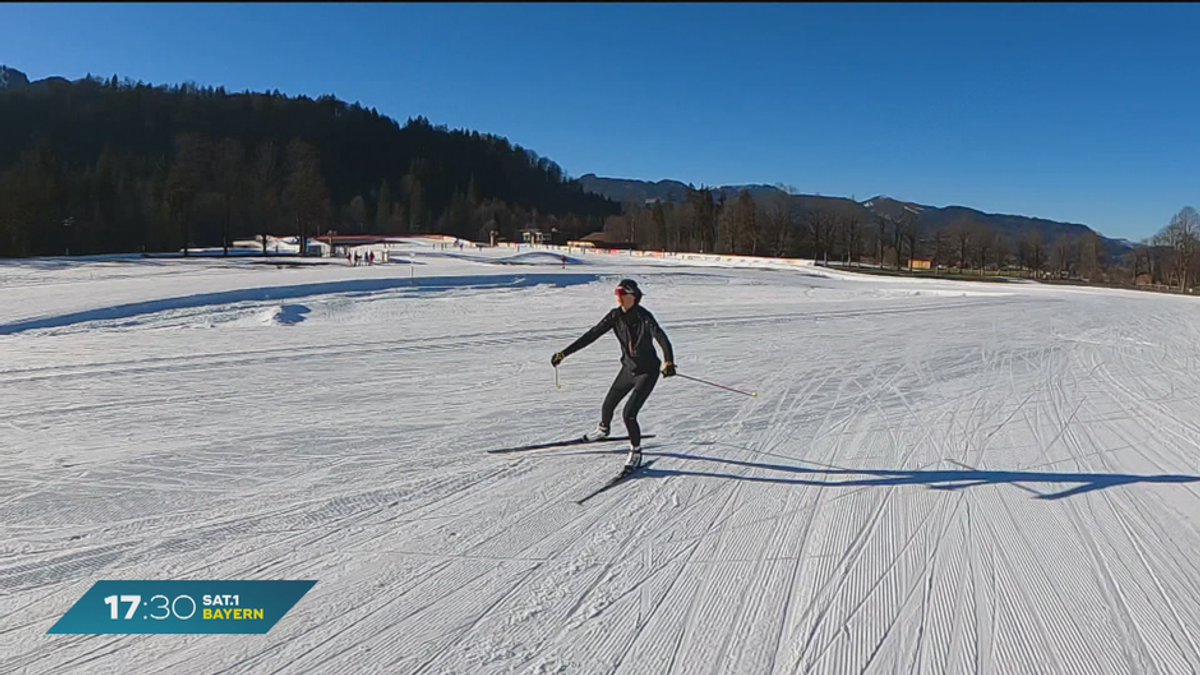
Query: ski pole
pixel 556 384
pixel 714 384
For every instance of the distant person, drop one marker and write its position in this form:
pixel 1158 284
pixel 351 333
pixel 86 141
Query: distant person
pixel 636 329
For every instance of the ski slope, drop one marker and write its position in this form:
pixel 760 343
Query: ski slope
pixel 935 477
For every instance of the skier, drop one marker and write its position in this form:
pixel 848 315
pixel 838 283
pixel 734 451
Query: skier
pixel 635 328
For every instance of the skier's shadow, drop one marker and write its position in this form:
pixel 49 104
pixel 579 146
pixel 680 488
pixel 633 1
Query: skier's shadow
pixel 936 480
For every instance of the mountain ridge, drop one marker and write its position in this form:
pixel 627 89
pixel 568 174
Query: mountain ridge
pixel 626 190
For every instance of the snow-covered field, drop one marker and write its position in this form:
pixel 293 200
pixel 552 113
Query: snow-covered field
pixel 935 477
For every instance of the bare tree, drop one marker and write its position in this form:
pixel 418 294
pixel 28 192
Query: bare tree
pixel 704 218
pixel 985 245
pixel 776 215
pixel 781 219
pixel 615 227
pixel 1035 251
pixel 908 228
pixel 1089 256
pixel 715 209
pixel 962 236
pixel 1155 257
pixel 819 224
pixel 814 225
pixel 678 217
pixel 1003 250
pixel 1023 252
pixel 643 224
pixel 852 235
pixel 1063 253
pixel 729 228
pixel 897 240
pixel 941 242
pixel 1180 238
pixel 749 228
pixel 827 223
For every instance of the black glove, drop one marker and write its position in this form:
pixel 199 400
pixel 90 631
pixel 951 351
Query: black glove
pixel 557 359
pixel 668 369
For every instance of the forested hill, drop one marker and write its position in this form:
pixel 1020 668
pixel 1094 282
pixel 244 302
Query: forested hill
pixel 106 165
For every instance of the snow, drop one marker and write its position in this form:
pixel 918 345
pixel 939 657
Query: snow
pixel 935 476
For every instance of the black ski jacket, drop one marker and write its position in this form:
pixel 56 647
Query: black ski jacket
pixel 636 330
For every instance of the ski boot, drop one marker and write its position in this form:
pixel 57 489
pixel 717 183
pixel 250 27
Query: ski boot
pixel 598 434
pixel 635 459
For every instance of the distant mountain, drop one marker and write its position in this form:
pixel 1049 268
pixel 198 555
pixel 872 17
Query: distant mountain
pixel 11 78
pixel 644 192
pixel 1012 226
pixel 931 217
pixel 637 191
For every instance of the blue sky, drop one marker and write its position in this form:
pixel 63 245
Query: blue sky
pixel 1082 113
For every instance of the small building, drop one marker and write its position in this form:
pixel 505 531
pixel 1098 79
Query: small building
pixel 533 236
pixel 602 240
pixel 920 263
pixel 558 237
pixel 593 240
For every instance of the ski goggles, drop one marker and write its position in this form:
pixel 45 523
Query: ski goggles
pixel 621 290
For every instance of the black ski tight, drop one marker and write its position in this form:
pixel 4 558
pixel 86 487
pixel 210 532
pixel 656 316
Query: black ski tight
pixel 638 386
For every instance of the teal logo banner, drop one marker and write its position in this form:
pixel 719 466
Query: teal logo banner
pixel 194 607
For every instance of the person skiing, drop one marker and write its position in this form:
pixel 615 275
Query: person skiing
pixel 636 329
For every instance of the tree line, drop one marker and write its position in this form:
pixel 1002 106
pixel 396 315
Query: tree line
pixel 101 166
pixel 843 232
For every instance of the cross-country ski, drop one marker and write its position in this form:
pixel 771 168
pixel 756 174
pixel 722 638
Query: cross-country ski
pixel 583 440
pixel 623 475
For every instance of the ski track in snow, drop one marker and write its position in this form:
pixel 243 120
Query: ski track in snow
pixel 935 476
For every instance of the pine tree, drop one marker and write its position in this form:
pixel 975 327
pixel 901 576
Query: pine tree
pixel 265 182
pixel 473 196
pixel 189 174
pixel 357 212
pixel 305 192
pixel 231 177
pixel 659 217
pixel 418 207
pixel 383 209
